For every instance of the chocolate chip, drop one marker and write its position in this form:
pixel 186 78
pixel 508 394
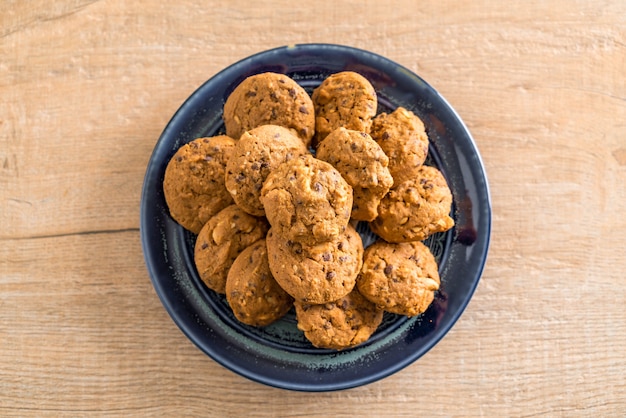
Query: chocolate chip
pixel 251 93
pixel 204 246
pixel 344 304
pixel 179 159
pixel 388 269
pixel 363 134
pixel 330 275
pixel 241 177
pixel 317 186
pixel 304 110
pixel 265 164
pixel 385 136
pixel 326 256
pixel 353 146
pixel 292 93
pixel 343 258
pixel 208 158
pixel 255 166
pixel 340 246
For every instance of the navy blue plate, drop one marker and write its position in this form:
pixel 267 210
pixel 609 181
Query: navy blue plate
pixel 279 355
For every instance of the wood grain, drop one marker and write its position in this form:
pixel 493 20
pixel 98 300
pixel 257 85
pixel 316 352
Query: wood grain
pixel 87 87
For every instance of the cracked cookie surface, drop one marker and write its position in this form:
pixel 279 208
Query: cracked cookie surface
pixel 415 209
pixel 269 99
pixel 399 278
pixel 402 136
pixel 193 183
pixel 221 240
pixel 251 291
pixel 345 99
pixel 317 273
pixel 256 154
pixel 307 200
pixel 363 164
pixel 340 324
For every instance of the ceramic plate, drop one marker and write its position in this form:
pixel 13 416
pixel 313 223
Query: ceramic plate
pixel 279 355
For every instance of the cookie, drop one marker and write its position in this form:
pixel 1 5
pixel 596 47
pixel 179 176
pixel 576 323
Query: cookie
pixel 258 152
pixel 221 240
pixel 193 184
pixel 363 164
pixel 399 278
pixel 402 136
pixel 251 291
pixel 307 200
pixel 345 99
pixel 319 273
pixel 269 99
pixel 415 209
pixel 341 324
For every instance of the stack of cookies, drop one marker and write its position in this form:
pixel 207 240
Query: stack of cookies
pixel 275 201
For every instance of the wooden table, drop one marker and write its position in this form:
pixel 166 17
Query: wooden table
pixel 86 88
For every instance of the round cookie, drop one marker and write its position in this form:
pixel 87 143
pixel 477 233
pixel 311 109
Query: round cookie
pixel 221 240
pixel 402 136
pixel 415 209
pixel 193 184
pixel 337 325
pixel 345 99
pixel 307 200
pixel 399 278
pixel 363 164
pixel 269 99
pixel 316 274
pixel 258 152
pixel 251 291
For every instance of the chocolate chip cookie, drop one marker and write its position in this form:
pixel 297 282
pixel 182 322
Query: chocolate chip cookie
pixel 251 291
pixel 269 99
pixel 221 240
pixel 345 99
pixel 340 324
pixel 415 209
pixel 194 181
pixel 307 200
pixel 399 278
pixel 319 273
pixel 402 136
pixel 258 152
pixel 363 164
